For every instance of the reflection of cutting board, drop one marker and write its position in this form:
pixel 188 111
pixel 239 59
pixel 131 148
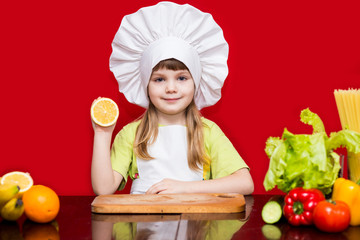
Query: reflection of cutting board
pixel 169 203
pixel 146 217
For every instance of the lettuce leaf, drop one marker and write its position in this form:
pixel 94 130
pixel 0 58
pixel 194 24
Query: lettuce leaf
pixel 344 138
pixel 308 117
pixel 271 144
pixel 307 160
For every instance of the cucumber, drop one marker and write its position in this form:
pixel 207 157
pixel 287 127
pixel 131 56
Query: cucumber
pixel 271 232
pixel 272 210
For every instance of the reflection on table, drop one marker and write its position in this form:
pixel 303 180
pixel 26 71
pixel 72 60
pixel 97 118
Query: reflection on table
pixel 75 221
pixel 170 226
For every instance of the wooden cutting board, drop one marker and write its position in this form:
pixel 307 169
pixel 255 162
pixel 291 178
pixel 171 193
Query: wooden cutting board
pixel 169 203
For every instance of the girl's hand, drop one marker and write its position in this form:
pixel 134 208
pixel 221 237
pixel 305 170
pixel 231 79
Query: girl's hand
pixel 168 186
pixel 98 128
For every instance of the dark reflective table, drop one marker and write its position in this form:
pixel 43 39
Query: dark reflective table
pixel 75 221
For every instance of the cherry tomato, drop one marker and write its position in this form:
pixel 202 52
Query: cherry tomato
pixel 331 216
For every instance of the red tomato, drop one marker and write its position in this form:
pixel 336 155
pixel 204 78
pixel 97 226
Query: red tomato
pixel 331 216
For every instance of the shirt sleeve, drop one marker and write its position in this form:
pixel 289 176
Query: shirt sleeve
pixel 224 159
pixel 122 152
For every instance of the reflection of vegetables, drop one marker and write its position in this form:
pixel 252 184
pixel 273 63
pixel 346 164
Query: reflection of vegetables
pixel 300 204
pixel 304 160
pixel 331 216
pixel 271 232
pixel 348 192
pixel 289 232
pixel 272 210
pixel 352 233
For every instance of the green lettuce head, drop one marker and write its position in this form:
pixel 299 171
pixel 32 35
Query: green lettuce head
pixel 307 160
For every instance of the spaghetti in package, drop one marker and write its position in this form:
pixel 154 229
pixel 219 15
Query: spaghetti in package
pixel 348 105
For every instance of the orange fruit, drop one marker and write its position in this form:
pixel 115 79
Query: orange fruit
pixel 22 179
pixel 41 204
pixel 104 112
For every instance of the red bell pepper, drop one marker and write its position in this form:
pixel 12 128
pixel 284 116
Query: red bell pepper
pixel 300 204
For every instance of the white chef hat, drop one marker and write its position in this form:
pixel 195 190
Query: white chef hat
pixel 163 31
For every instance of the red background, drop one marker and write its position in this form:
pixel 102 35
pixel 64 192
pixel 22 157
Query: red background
pixel 284 56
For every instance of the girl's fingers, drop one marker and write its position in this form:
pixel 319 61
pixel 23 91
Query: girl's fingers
pixel 95 100
pixel 150 190
pixel 154 189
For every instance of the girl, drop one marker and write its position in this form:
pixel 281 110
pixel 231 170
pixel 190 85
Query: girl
pixel 170 59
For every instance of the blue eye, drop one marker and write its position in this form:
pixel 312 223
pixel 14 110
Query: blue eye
pixel 182 78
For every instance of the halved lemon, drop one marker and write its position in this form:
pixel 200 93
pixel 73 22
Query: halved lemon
pixel 22 179
pixel 104 112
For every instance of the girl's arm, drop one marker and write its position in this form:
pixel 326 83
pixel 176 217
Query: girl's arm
pixel 238 182
pixel 103 178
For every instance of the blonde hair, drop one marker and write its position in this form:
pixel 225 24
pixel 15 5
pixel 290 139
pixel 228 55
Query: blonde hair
pixel 147 130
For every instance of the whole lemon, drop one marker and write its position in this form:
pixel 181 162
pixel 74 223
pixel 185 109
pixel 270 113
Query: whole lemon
pixel 41 204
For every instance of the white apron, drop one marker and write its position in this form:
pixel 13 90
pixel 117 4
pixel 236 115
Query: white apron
pixel 170 160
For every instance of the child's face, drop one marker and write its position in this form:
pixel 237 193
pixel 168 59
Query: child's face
pixel 171 91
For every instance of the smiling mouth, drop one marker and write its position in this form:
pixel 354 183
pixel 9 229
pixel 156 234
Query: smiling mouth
pixel 171 99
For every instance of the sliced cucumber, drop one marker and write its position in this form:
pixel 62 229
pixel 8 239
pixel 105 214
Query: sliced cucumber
pixel 272 210
pixel 271 232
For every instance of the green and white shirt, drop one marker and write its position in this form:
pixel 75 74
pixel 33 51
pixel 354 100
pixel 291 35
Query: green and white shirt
pixel 170 153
